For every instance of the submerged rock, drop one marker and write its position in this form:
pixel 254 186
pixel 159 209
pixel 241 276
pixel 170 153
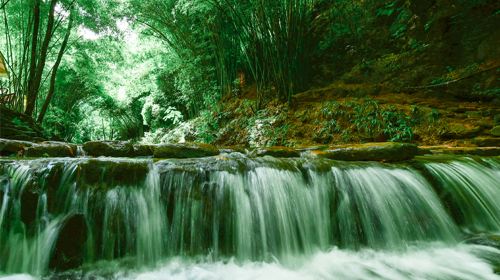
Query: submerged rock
pixel 188 150
pixel 51 149
pixel 69 248
pixel 386 151
pixel 492 240
pixel 13 147
pixel 109 148
pixel 29 205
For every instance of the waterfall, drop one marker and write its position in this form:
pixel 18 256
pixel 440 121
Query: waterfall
pixel 234 210
pixel 474 188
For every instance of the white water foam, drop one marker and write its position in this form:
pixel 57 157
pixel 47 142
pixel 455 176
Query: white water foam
pixel 459 262
pixel 17 277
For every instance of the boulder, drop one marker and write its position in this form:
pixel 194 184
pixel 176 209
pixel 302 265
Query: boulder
pixel 51 149
pixel 187 150
pixel 13 147
pixel 109 148
pixel 70 245
pixel 386 151
pixel 280 152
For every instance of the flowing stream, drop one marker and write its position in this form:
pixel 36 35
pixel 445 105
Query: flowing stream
pixel 234 217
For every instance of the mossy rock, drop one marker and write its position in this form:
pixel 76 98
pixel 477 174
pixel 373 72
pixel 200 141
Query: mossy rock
pixel 460 131
pixel 280 152
pixel 187 150
pixel 233 149
pixel 496 119
pixel 51 149
pixel 385 151
pixel 109 148
pixel 495 131
pixel 487 141
pixel 144 150
pixel 13 147
pixel 477 151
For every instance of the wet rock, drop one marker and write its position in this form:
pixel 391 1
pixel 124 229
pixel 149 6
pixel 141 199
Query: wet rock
pixel 495 131
pixel 73 147
pixel 69 248
pixel 144 150
pixel 478 151
pixel 109 148
pixel 98 172
pixel 280 152
pixel 51 149
pixel 233 149
pixel 387 151
pixel 29 204
pixel 187 150
pixel 13 147
pixel 487 141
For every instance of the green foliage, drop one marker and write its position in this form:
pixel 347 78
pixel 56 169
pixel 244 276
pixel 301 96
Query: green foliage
pixel 207 130
pixel 397 126
pixel 368 119
pixel 388 9
pixel 434 115
pixel 278 137
pixel 276 41
pixel 135 67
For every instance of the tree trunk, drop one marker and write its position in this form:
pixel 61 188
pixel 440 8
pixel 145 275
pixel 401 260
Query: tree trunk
pixel 34 46
pixel 53 75
pixel 37 79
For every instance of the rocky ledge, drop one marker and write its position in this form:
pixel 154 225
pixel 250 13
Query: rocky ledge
pixel 383 151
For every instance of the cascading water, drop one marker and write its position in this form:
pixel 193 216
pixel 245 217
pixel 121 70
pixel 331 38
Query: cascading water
pixel 220 217
pixel 474 188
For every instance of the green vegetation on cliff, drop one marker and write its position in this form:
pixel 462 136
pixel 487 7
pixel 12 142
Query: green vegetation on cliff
pixel 251 73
